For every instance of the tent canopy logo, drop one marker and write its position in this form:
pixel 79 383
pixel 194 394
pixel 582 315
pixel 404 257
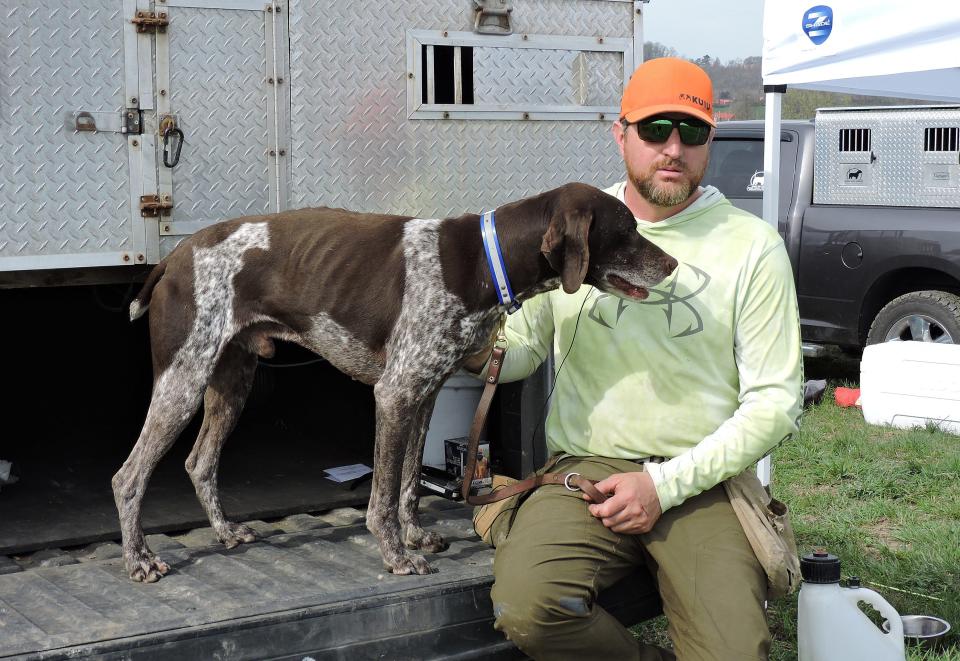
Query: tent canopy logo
pixel 817 23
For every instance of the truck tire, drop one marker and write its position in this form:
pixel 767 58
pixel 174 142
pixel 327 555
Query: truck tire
pixel 923 316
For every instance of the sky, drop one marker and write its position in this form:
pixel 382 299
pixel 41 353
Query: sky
pixel 728 30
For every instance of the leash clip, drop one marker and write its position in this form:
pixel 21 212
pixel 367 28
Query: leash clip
pixel 566 481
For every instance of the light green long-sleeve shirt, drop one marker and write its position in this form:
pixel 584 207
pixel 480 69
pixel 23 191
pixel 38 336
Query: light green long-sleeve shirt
pixel 707 371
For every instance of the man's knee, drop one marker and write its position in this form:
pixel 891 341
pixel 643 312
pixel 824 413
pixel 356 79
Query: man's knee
pixel 531 617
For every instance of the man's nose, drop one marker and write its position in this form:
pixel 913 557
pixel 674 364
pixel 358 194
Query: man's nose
pixel 672 147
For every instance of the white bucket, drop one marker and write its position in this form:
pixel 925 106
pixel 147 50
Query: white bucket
pixel 452 416
pixel 911 384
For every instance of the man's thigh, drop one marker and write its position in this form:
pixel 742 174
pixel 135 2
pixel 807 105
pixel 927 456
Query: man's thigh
pixel 558 556
pixel 711 584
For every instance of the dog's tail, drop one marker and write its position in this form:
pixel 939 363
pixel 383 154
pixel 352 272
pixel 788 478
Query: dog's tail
pixel 140 304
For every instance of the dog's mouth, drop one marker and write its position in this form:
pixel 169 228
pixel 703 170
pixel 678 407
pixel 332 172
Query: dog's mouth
pixel 628 288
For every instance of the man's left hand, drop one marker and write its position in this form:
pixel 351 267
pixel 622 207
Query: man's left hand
pixel 633 506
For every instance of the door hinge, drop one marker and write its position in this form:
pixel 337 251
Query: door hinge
pixel 147 21
pixel 152 206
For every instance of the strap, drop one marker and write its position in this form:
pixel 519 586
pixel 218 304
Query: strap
pixel 480 417
pixel 572 481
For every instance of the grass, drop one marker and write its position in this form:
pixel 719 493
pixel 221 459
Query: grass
pixel 886 501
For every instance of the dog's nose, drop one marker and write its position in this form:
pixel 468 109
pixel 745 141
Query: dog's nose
pixel 671 265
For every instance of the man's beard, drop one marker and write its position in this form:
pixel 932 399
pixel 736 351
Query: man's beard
pixel 668 194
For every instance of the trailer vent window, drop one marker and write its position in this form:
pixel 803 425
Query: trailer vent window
pixel 941 138
pixel 854 139
pixel 525 77
pixel 447 75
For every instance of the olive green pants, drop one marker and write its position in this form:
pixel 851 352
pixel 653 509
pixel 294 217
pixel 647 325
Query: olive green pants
pixel 557 557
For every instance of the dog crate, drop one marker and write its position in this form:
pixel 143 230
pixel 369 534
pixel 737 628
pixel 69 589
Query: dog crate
pixel 897 156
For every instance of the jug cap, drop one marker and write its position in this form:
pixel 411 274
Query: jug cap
pixel 820 567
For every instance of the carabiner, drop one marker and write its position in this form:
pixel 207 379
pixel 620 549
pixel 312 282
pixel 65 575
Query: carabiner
pixel 166 147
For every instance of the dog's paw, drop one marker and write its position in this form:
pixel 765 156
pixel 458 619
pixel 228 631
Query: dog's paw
pixel 431 542
pixel 146 568
pixel 235 534
pixel 409 564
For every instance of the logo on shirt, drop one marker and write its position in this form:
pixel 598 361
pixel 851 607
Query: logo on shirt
pixel 676 296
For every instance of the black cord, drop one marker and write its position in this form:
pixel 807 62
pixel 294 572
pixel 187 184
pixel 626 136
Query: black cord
pixel 541 420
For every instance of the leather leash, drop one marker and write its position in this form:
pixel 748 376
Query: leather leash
pixel 572 481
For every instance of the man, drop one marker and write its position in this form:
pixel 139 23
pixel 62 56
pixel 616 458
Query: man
pixel 660 400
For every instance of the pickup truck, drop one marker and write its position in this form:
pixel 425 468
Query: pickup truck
pixel 864 273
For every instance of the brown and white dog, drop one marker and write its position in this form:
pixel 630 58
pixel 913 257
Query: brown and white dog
pixel 395 302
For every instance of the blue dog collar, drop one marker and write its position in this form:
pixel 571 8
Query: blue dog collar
pixel 488 231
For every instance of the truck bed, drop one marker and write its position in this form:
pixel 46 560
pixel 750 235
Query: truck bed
pixel 313 585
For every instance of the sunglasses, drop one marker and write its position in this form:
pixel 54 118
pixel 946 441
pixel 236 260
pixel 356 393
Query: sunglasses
pixel 693 132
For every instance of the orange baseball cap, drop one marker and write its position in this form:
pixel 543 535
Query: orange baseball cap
pixel 668 84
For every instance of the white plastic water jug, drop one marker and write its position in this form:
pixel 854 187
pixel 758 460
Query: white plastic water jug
pixel 830 626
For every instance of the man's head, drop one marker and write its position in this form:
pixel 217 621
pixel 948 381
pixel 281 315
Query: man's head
pixel 664 130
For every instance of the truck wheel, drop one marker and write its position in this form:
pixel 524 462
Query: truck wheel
pixel 921 316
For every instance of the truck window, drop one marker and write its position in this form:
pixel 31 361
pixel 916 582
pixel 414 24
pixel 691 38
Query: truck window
pixel 736 168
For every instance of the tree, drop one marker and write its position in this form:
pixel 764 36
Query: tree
pixel 654 49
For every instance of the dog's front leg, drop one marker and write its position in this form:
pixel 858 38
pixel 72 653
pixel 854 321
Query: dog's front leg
pixel 395 407
pixel 414 536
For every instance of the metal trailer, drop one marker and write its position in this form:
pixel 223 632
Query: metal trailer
pixel 130 124
pixel 896 156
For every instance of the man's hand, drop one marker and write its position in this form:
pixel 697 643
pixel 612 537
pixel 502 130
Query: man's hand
pixel 633 506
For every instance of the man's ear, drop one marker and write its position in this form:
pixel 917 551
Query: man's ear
pixel 565 246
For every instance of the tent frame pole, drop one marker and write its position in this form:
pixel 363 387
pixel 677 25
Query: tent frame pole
pixel 771 194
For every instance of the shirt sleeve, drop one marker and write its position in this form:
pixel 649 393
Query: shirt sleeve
pixel 770 367
pixel 529 334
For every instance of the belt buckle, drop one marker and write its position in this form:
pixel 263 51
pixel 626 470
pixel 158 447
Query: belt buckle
pixel 566 481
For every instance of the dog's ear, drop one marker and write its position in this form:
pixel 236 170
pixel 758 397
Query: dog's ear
pixel 565 246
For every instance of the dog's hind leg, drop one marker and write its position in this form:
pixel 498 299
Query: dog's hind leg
pixel 394 408
pixel 414 536
pixel 222 404
pixel 176 397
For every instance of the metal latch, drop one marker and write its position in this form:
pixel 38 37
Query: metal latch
pixel 131 121
pixel 150 21
pixel 152 206
pixel 493 16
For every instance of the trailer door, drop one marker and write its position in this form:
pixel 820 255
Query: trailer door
pixel 222 104
pixel 70 116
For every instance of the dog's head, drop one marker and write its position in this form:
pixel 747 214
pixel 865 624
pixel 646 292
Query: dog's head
pixel 592 238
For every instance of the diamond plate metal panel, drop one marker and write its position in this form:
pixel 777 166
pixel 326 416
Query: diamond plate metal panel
pixel 219 93
pixel 62 192
pixel 353 145
pixel 546 77
pixel 582 17
pixel 901 173
pixel 604 72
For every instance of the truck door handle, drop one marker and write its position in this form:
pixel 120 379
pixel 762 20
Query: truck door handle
pixel 166 146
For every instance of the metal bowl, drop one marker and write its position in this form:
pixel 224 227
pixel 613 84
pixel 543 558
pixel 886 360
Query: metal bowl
pixel 923 630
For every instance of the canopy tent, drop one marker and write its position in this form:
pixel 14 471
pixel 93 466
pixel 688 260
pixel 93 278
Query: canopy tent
pixel 878 48
pixel 875 48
